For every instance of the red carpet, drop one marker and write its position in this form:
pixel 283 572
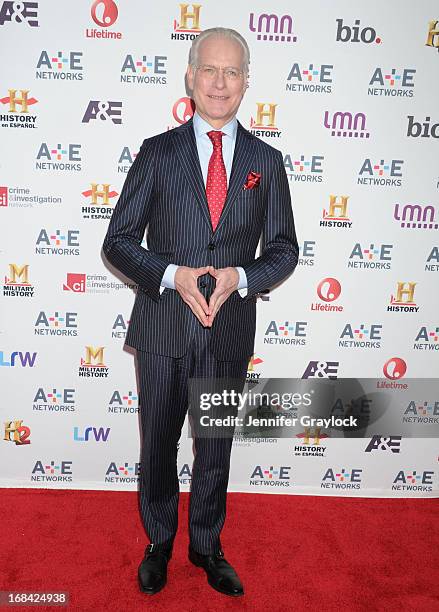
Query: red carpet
pixel 291 552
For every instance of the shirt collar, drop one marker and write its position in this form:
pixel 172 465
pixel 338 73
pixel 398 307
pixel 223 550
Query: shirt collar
pixel 201 127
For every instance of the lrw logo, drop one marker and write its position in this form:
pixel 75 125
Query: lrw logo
pixel 18 358
pixel 98 434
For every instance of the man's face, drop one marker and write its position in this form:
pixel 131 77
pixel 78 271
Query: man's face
pixel 217 99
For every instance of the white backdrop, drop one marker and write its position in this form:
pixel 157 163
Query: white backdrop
pixel 349 92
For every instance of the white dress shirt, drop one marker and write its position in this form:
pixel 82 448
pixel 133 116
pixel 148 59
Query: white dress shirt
pixel 205 149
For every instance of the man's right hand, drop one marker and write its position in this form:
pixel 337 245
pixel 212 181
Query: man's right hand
pixel 186 284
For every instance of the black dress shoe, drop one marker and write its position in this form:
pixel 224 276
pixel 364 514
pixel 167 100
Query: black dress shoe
pixel 220 574
pixel 154 568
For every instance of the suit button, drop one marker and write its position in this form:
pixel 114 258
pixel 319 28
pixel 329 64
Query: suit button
pixel 211 246
pixel 203 284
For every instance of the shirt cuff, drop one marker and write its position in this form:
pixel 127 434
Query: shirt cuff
pixel 168 279
pixel 242 283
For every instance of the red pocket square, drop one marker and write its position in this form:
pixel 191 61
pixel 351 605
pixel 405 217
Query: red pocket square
pixel 253 180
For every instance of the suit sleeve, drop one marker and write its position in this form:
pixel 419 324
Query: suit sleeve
pixel 280 250
pixel 122 244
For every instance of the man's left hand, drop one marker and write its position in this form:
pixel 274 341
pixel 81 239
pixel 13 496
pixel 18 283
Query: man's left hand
pixel 226 283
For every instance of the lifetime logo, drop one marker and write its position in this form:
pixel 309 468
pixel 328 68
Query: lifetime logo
pixel 328 290
pixel 394 369
pixel 104 13
pixel 272 28
pixel 19 12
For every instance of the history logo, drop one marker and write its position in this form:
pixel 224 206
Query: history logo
pixel 17 283
pixel 252 374
pixel 336 216
pixel 18 114
pixel 310 445
pixel 265 123
pixel 16 432
pixel 93 366
pixel 403 301
pixel 188 26
pixel 433 34
pixel 100 205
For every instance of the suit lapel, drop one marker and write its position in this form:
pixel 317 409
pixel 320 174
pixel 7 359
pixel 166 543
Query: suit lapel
pixel 186 149
pixel 242 158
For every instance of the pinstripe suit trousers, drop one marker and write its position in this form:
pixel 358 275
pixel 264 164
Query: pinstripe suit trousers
pixel 163 383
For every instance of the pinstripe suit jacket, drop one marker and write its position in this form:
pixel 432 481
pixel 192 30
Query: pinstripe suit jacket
pixel 164 193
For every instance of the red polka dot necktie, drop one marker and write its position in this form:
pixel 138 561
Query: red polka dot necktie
pixel 216 184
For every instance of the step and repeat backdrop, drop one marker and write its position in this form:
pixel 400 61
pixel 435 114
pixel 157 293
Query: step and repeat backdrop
pixel 348 92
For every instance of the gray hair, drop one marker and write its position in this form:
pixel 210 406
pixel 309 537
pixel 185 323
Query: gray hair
pixel 226 33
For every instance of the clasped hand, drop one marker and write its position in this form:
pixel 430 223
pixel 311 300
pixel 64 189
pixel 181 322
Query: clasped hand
pixel 186 284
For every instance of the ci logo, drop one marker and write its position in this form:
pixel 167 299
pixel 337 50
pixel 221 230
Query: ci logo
pixel 104 12
pixel 328 289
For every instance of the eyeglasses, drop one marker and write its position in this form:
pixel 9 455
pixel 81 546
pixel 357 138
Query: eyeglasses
pixel 211 72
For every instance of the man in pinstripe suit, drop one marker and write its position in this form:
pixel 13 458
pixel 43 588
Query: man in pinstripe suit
pixel 206 192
